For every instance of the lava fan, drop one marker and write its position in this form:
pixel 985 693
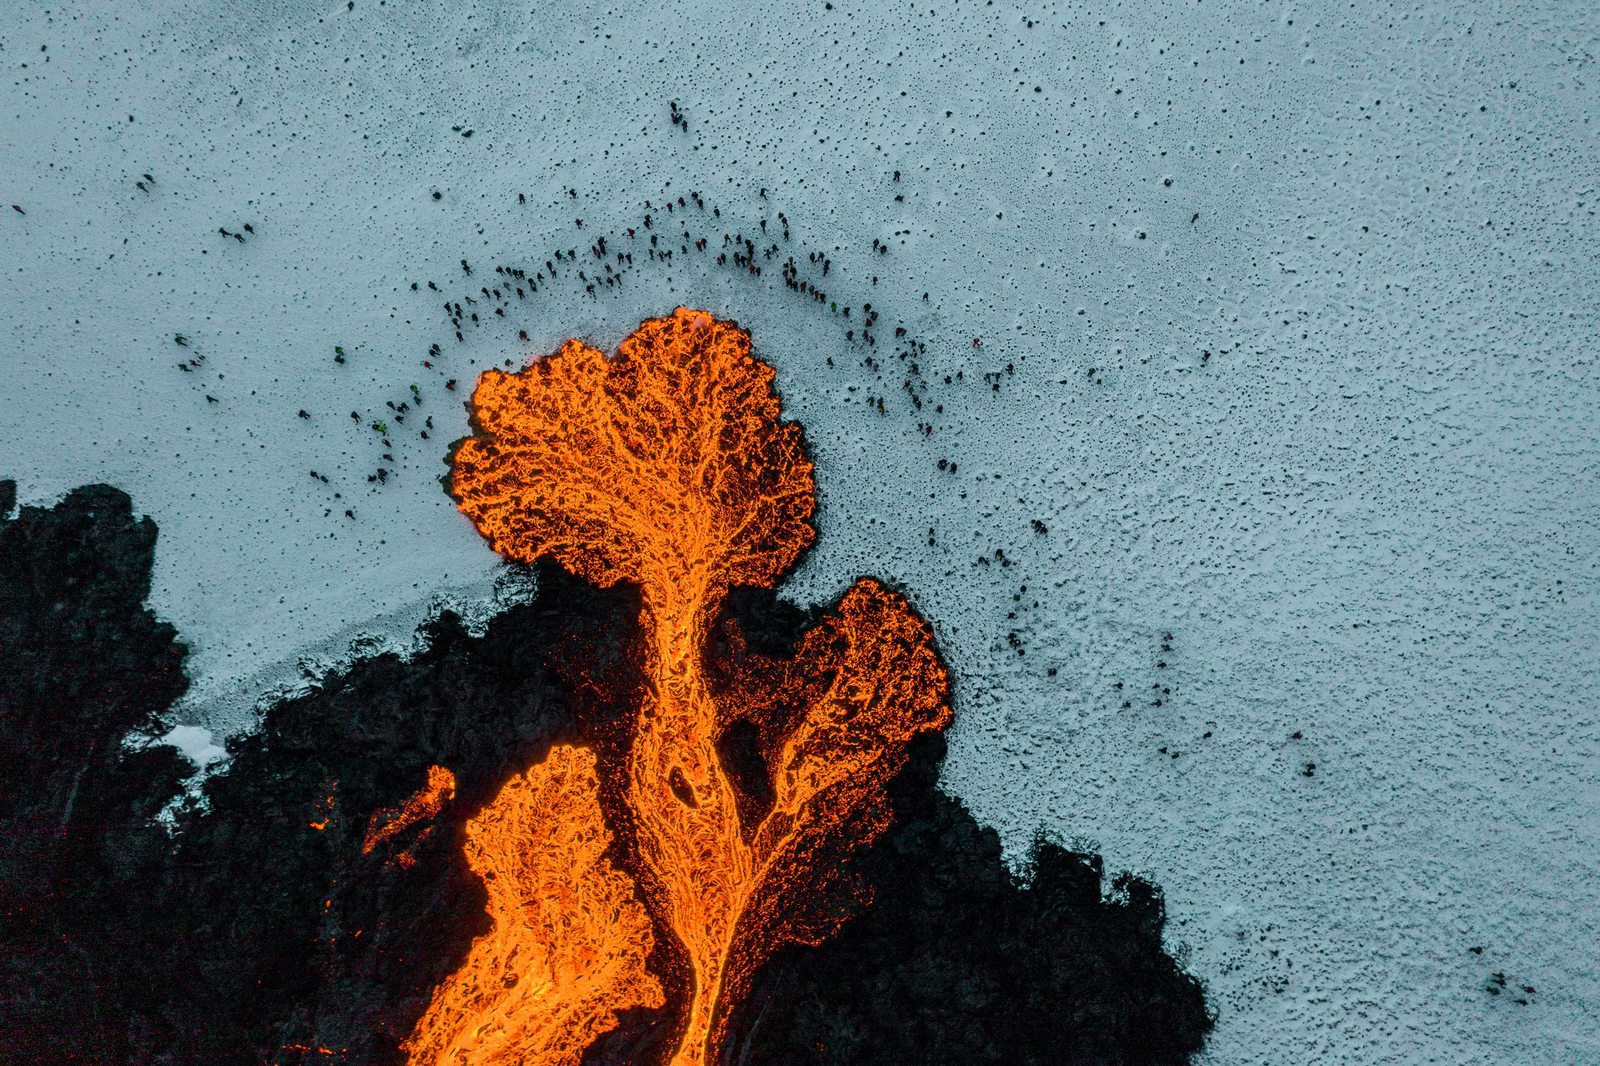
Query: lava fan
pixel 669 467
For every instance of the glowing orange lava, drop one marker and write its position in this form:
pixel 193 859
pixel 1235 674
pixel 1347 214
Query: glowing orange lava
pixel 570 938
pixel 669 466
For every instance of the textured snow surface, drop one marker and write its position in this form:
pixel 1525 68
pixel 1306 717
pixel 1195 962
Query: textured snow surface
pixel 1334 267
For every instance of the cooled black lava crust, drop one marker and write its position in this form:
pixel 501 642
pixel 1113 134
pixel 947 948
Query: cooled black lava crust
pixel 247 935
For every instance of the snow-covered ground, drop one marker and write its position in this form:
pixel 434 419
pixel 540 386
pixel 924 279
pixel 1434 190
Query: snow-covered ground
pixel 1334 267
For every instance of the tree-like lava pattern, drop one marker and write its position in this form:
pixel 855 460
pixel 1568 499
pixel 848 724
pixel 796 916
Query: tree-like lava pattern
pixel 668 466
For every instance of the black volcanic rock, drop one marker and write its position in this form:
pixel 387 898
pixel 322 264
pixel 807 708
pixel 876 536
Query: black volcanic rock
pixel 83 662
pixel 259 930
pixel 248 934
pixel 83 665
pixel 957 961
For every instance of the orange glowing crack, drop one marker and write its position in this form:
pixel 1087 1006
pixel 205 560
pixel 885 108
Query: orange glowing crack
pixel 330 805
pixel 425 804
pixel 570 938
pixel 669 466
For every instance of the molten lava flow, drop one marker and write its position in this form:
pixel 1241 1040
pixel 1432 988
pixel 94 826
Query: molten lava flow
pixel 669 466
pixel 570 939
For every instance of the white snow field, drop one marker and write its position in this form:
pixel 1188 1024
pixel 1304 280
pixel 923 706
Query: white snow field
pixel 1335 268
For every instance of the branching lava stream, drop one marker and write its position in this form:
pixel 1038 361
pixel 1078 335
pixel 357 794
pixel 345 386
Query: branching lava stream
pixel 668 466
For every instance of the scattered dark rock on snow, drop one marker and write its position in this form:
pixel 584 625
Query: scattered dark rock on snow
pixel 259 930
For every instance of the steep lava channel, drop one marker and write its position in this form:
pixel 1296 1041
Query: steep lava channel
pixel 668 466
